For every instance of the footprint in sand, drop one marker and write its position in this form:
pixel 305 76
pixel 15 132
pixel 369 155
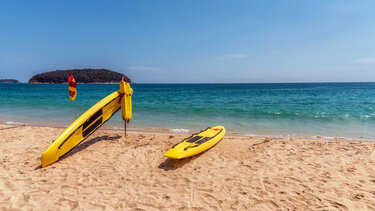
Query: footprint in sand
pixel 65 204
pixel 358 196
pixel 22 199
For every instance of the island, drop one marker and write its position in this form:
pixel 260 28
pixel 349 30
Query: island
pixel 8 81
pixel 80 75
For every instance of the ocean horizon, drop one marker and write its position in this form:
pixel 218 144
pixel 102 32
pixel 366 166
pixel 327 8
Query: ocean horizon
pixel 331 109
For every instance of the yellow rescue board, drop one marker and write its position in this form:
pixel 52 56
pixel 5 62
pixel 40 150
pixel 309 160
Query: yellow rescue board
pixel 81 128
pixel 126 101
pixel 196 143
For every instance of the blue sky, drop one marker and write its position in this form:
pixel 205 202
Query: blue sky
pixel 192 41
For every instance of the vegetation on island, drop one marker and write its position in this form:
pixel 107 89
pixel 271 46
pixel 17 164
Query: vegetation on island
pixel 9 81
pixel 80 76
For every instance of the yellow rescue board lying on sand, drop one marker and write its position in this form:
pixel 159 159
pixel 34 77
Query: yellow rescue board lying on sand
pixel 196 143
pixel 126 101
pixel 81 128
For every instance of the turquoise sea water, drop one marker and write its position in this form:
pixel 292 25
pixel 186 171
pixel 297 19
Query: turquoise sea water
pixel 307 109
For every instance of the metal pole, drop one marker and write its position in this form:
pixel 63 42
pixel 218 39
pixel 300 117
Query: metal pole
pixel 124 128
pixel 74 107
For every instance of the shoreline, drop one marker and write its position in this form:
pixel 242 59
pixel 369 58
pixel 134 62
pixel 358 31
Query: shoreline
pixel 108 171
pixel 188 131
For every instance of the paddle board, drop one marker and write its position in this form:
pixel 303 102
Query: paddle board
pixel 196 143
pixel 81 128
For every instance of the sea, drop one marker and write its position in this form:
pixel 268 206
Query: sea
pixel 253 109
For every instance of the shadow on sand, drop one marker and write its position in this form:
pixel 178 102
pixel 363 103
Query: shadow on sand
pixel 86 144
pixel 173 164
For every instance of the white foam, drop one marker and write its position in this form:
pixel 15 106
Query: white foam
pixel 252 135
pixel 13 123
pixel 364 116
pixel 180 130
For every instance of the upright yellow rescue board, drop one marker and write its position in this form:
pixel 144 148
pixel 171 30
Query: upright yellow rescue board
pixel 196 143
pixel 126 101
pixel 81 128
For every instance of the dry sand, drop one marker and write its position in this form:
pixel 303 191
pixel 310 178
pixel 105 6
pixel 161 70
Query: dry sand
pixel 107 172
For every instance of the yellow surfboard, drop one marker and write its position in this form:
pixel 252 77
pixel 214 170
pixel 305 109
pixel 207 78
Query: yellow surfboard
pixel 196 143
pixel 126 101
pixel 81 128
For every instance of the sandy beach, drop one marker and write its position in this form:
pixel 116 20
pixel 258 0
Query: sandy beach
pixel 108 172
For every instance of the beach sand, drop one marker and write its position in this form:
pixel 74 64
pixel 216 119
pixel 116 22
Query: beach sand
pixel 108 172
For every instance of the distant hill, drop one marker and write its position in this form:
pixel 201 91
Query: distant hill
pixel 80 75
pixel 8 81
